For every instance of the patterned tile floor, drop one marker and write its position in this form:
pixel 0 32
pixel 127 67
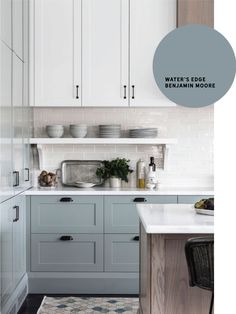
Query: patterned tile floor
pixel 73 305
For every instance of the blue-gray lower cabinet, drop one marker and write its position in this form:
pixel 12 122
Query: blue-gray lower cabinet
pixel 121 214
pixel 13 277
pixel 64 214
pixel 83 252
pixel 122 252
pixel 102 255
pixel 191 199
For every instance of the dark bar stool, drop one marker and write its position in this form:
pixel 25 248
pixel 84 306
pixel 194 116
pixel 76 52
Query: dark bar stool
pixel 200 259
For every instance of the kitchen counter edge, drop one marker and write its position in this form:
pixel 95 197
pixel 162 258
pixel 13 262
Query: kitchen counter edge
pixel 121 191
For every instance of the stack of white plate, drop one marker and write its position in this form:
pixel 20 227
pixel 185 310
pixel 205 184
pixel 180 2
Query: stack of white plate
pixel 110 130
pixel 143 132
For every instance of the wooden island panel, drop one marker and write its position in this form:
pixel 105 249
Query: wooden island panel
pixel 164 280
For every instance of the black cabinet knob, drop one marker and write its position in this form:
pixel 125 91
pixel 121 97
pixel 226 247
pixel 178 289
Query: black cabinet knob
pixel 136 238
pixel 66 238
pixel 66 200
pixel 140 200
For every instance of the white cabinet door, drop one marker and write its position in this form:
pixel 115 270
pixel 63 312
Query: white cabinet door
pixel 17 99
pixel 7 248
pixel 19 239
pixel 6 189
pixel 27 111
pixel 17 27
pixel 57 39
pixel 150 21
pixel 6 22
pixel 105 27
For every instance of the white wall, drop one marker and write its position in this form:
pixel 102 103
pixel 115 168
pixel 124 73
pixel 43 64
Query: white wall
pixel 190 161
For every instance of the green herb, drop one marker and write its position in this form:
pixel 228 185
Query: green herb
pixel 118 168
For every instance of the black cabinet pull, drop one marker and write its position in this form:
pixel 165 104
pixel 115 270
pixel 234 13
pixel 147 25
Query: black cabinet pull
pixel 17 178
pixel 77 91
pixel 28 174
pixel 66 200
pixel 66 238
pixel 17 208
pixel 133 91
pixel 125 87
pixel 136 238
pixel 140 200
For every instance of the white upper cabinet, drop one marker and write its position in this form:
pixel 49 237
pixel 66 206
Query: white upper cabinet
pixel 6 22
pixel 105 42
pixel 57 51
pixel 17 27
pixel 17 110
pixel 150 21
pixel 6 189
pixel 98 50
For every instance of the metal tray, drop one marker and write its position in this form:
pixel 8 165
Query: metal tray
pixel 80 170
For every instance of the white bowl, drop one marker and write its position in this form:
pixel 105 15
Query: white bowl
pixel 78 133
pixel 78 130
pixel 55 131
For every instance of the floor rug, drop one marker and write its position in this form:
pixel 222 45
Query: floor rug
pixel 73 305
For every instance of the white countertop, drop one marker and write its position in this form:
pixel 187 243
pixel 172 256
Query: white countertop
pixel 174 218
pixel 121 191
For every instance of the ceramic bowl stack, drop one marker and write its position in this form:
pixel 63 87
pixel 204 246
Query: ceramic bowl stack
pixel 110 130
pixel 78 130
pixel 55 131
pixel 143 133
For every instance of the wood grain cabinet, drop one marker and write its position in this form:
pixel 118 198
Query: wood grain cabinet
pixel 195 12
pixel 164 279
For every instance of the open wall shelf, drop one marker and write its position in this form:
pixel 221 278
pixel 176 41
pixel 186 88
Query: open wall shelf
pixel 102 141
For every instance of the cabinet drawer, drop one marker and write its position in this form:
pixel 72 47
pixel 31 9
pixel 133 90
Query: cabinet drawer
pixel 191 199
pixel 50 253
pixel 122 252
pixel 121 214
pixel 58 214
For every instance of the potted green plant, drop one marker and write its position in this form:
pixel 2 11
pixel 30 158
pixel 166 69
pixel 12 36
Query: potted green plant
pixel 116 170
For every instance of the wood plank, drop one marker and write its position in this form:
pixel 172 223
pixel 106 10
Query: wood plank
pixel 158 274
pixel 195 12
pixel 145 272
pixel 184 299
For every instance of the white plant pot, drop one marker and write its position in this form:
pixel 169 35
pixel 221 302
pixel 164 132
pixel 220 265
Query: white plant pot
pixel 115 182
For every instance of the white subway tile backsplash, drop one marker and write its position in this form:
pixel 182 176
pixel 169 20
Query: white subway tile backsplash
pixel 190 162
